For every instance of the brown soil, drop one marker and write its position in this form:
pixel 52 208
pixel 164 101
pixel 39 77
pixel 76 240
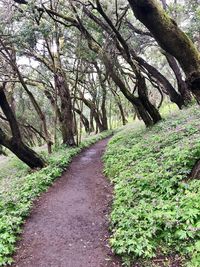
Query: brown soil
pixel 68 226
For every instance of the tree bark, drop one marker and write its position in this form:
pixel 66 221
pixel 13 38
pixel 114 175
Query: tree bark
pixel 104 118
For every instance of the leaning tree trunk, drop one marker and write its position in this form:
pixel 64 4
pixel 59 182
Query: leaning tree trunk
pixel 129 54
pixel 171 39
pixel 15 143
pixel 22 151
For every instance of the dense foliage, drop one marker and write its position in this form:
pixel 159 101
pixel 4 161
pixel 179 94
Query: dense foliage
pixel 16 199
pixel 156 207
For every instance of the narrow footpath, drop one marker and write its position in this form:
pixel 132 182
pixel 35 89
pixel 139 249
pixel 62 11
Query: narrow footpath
pixel 68 226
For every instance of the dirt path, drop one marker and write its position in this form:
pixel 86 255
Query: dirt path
pixel 68 226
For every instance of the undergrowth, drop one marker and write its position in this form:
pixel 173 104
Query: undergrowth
pixel 156 208
pixel 17 197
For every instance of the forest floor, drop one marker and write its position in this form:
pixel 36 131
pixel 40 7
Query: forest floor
pixel 68 225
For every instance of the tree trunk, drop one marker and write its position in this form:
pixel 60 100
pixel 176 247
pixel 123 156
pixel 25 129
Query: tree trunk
pixel 171 39
pixel 15 143
pixel 182 86
pixel 22 151
pixel 124 120
pixel 104 118
pixel 84 120
pixel 136 102
pixel 94 111
pixel 99 125
pixel 119 104
pixel 91 121
pixel 143 114
pixel 143 95
pixel 67 121
pixel 34 103
pixel 174 96
pixel 170 90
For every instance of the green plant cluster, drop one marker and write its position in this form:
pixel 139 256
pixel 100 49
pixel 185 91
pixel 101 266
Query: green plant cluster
pixel 156 207
pixel 15 203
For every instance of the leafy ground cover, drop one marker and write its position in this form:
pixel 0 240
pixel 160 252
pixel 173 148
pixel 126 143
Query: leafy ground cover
pixel 18 191
pixel 156 208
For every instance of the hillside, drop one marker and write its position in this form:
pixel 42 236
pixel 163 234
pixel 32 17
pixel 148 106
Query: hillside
pixel 156 207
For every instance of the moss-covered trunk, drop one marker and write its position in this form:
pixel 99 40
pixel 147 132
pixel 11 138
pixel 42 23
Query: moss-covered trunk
pixel 170 38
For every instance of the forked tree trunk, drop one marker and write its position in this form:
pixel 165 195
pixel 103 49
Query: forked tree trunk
pixel 121 110
pixel 136 102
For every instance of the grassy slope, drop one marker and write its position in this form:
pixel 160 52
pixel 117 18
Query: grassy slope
pixel 19 189
pixel 156 210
